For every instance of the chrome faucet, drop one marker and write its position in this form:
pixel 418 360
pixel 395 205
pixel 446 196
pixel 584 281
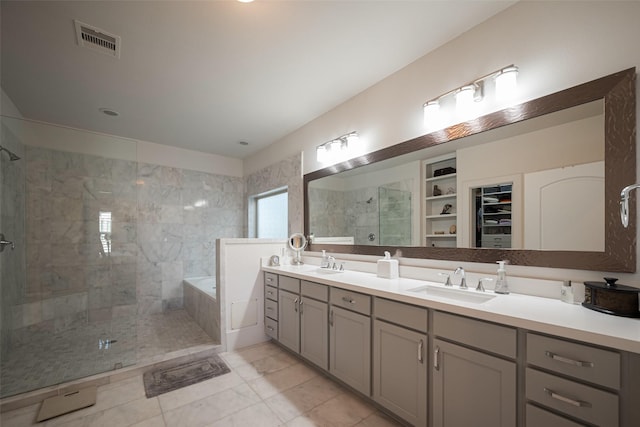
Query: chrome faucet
pixel 447 281
pixel 480 287
pixel 463 282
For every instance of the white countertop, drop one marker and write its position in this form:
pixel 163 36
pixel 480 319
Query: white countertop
pixel 546 315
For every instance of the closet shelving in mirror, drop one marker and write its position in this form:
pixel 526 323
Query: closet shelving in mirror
pixel 495 216
pixel 439 191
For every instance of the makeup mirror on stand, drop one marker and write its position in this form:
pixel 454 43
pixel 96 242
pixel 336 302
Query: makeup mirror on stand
pixel 297 242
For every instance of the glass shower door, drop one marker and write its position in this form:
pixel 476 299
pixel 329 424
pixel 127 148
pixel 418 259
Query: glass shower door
pixel 395 217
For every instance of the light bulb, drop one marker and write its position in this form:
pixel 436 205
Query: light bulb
pixel 506 83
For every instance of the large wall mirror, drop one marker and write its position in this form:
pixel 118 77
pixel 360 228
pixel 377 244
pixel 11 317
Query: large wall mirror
pixel 537 184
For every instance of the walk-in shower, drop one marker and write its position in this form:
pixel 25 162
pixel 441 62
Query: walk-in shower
pixel 12 156
pixel 102 243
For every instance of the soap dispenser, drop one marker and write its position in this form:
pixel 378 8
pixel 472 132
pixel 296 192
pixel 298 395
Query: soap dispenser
pixel 387 267
pixel 501 284
pixel 325 260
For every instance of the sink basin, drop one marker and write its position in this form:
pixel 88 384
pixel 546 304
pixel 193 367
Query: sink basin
pixel 328 271
pixel 469 295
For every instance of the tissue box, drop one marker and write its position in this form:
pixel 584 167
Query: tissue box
pixel 388 268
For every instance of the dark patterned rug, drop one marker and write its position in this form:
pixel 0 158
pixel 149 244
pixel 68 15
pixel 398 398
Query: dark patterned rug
pixel 169 378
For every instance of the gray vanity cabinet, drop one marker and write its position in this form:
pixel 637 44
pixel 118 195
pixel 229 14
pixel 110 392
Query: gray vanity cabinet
pixel 350 339
pixel 314 325
pixel 303 319
pixel 471 387
pixel 400 359
pixel 289 320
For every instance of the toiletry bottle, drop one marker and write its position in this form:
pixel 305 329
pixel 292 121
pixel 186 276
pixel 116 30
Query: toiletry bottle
pixel 324 263
pixel 501 284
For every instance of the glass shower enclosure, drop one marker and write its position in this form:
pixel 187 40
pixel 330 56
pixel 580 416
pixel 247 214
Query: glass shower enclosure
pixel 68 286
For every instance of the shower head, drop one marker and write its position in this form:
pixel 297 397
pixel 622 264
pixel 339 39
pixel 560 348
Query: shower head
pixel 12 156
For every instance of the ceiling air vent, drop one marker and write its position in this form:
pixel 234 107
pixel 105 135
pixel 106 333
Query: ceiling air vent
pixel 97 39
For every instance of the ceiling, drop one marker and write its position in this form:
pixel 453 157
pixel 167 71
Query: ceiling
pixel 206 75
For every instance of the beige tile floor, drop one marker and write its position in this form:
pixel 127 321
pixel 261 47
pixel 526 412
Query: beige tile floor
pixel 266 387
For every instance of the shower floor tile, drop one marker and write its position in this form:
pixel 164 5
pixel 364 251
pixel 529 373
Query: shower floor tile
pixel 45 359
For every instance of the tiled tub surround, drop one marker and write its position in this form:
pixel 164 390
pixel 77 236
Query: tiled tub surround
pixel 201 302
pixel 84 284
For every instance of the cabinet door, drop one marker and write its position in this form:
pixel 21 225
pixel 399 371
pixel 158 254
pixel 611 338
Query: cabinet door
pixel 472 388
pixel 350 348
pixel 289 320
pixel 314 332
pixel 400 371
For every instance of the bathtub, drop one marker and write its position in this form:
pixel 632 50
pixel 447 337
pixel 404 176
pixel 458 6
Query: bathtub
pixel 200 301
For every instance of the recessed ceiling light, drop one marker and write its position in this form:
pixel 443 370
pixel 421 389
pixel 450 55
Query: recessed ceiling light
pixel 109 112
pixel 245 1
pixel 243 142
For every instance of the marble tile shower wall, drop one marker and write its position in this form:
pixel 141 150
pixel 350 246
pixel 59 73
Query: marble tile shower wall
pixel 164 222
pixel 329 217
pixel 181 214
pixel 12 224
pixel 81 214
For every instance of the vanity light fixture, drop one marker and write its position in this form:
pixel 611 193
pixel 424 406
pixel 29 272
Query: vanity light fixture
pixel 467 96
pixel 336 149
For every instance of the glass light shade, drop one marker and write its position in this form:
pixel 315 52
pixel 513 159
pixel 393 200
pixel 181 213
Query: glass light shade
pixel 336 146
pixel 321 154
pixel 465 100
pixel 506 83
pixel 431 113
pixel 353 138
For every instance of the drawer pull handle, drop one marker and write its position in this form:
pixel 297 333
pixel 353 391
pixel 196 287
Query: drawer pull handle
pixel 295 305
pixel 348 300
pixel 269 279
pixel 331 318
pixel 270 308
pixel 270 292
pixel 300 305
pixel 420 345
pixel 565 399
pixel 270 328
pixel 436 358
pixel 568 360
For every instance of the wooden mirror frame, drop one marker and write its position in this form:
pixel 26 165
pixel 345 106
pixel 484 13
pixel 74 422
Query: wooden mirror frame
pixel 619 94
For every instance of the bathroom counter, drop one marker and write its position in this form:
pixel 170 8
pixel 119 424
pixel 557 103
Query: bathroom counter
pixel 546 315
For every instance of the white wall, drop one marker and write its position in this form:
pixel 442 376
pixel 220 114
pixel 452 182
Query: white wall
pixel 241 284
pixel 556 45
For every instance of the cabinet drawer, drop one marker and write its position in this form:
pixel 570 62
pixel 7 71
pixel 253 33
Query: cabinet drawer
pixel 407 315
pixel 289 284
pixel 315 290
pixel 539 417
pixel 576 360
pixel 578 400
pixel 271 279
pixel 476 333
pixel 351 300
pixel 271 293
pixel 271 309
pixel 271 328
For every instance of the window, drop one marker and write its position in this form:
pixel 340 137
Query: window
pixel 104 227
pixel 271 214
